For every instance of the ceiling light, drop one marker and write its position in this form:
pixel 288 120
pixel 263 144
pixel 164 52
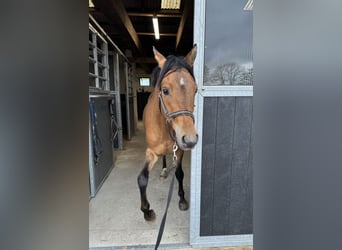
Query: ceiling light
pixel 170 4
pixel 249 5
pixel 156 27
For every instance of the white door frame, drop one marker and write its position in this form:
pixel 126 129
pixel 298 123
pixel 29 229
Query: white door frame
pixel 196 155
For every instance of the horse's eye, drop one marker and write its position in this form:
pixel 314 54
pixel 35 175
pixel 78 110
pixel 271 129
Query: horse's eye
pixel 165 91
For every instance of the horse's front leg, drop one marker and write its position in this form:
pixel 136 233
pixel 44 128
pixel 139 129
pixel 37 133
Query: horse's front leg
pixel 183 204
pixel 150 160
pixel 163 174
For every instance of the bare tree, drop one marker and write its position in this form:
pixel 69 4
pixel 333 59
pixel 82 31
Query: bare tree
pixel 234 73
pixel 228 74
pixel 206 74
pixel 248 77
pixel 219 75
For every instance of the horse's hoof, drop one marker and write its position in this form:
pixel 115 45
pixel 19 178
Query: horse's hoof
pixel 183 205
pixel 163 174
pixel 150 215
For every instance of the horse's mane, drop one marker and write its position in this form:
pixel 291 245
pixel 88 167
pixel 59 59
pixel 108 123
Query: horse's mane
pixel 172 63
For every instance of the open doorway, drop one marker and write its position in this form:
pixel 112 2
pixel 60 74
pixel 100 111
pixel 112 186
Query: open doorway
pixel 115 219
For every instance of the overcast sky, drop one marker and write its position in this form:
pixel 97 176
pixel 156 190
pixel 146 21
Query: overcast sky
pixel 229 32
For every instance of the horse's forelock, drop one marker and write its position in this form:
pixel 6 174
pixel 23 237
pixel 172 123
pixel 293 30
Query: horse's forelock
pixel 172 63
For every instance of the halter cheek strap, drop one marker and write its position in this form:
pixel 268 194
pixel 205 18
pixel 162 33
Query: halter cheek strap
pixel 172 115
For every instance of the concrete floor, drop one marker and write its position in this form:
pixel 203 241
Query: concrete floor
pixel 115 218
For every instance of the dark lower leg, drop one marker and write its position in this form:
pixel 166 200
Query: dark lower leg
pixel 164 161
pixel 164 173
pixel 142 183
pixel 183 204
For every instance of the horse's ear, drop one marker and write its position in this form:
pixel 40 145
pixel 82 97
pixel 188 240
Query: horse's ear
pixel 190 57
pixel 159 57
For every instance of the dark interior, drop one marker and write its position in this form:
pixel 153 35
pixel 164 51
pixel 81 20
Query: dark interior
pixel 129 24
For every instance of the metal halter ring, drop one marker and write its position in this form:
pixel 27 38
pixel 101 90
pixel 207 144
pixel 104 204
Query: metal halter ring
pixel 174 149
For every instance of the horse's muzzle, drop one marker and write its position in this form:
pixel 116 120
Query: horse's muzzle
pixel 188 141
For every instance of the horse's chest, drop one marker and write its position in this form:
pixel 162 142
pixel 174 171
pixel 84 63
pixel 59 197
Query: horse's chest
pixel 163 148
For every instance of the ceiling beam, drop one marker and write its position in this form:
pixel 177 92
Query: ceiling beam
pixel 138 14
pixel 118 7
pixel 182 23
pixel 121 11
pixel 152 34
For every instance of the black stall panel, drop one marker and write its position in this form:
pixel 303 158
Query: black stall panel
pixel 226 186
pixel 101 154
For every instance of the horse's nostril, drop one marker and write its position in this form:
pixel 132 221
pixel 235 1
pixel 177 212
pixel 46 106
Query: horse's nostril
pixel 189 141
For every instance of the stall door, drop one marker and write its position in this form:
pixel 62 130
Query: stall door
pixel 221 177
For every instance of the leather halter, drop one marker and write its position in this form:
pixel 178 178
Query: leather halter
pixel 172 115
pixel 169 116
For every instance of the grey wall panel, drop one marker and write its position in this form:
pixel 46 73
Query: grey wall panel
pixel 209 121
pixel 241 180
pixel 208 159
pixel 226 187
pixel 223 163
pixel 207 190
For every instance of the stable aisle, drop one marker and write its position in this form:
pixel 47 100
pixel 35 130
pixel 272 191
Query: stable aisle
pixel 115 218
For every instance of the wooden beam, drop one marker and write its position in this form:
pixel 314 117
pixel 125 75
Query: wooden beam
pixel 182 23
pixel 151 15
pixel 121 11
pixel 152 34
pixel 118 7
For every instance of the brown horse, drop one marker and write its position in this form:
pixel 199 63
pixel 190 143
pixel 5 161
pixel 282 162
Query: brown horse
pixel 169 120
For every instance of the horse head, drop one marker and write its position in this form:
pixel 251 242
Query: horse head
pixel 177 88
